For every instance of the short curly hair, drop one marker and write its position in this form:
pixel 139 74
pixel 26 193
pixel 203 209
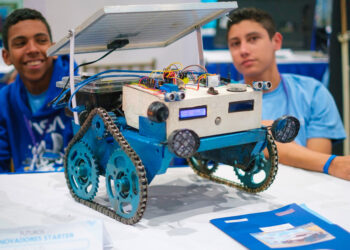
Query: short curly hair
pixel 252 14
pixel 22 15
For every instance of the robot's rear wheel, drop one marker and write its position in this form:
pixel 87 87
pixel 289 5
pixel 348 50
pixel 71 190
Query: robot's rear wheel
pixel 203 165
pixel 262 171
pixel 258 177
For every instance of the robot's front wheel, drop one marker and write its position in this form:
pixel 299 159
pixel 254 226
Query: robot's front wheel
pixel 82 171
pixel 123 185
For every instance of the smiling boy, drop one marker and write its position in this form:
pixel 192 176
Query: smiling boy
pixel 253 41
pixel 32 134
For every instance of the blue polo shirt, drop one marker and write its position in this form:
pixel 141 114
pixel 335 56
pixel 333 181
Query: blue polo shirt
pixel 309 101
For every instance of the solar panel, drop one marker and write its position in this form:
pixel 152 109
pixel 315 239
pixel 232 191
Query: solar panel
pixel 141 26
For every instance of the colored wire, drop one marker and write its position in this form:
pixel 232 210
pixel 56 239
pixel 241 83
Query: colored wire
pixel 196 65
pixel 64 89
pixel 82 64
pixel 156 72
pixel 87 81
pixel 177 68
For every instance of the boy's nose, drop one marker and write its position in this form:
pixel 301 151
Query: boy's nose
pixel 244 48
pixel 32 46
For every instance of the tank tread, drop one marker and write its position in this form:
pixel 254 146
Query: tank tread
pixel 129 151
pixel 267 183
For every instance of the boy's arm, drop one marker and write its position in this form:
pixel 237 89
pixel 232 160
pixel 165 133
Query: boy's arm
pixel 295 155
pixel 322 145
pixel 313 157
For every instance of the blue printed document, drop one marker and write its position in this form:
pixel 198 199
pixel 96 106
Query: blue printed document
pixel 288 227
pixel 78 235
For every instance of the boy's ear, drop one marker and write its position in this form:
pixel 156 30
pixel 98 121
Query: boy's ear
pixel 6 56
pixel 277 40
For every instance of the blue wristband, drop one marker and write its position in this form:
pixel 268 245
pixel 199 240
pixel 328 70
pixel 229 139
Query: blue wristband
pixel 328 163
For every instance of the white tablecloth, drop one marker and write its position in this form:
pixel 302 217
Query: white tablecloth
pixel 180 205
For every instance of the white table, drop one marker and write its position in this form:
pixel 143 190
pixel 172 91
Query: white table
pixel 179 208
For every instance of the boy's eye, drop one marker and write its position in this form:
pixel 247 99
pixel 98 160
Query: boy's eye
pixel 42 40
pixel 253 38
pixel 234 44
pixel 18 43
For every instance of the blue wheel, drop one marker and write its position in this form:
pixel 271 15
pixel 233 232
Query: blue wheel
pixel 123 186
pixel 82 171
pixel 257 175
pixel 98 126
pixel 262 171
pixel 203 165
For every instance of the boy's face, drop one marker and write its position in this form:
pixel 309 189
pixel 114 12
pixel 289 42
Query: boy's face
pixel 252 50
pixel 28 41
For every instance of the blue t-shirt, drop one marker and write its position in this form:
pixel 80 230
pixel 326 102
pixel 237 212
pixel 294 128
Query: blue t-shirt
pixel 34 140
pixel 36 101
pixel 309 101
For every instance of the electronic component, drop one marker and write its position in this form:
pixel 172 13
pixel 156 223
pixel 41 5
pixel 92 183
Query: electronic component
pixel 285 129
pixel 237 87
pixel 136 100
pixel 183 143
pixel 157 112
pixel 192 113
pixel 213 80
pixel 259 85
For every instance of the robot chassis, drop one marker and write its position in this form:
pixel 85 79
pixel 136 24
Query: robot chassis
pixel 128 130
pixel 129 133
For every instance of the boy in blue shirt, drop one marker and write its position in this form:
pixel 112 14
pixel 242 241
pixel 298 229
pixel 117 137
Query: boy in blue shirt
pixel 253 41
pixel 32 134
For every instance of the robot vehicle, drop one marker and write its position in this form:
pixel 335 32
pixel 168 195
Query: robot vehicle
pixel 130 125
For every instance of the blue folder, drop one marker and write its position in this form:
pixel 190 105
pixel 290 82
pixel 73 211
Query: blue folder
pixel 289 227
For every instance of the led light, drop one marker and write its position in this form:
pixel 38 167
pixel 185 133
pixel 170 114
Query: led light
pixel 183 143
pixel 285 129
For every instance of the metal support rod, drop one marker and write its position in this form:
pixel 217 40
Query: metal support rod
pixel 71 73
pixel 344 40
pixel 200 46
